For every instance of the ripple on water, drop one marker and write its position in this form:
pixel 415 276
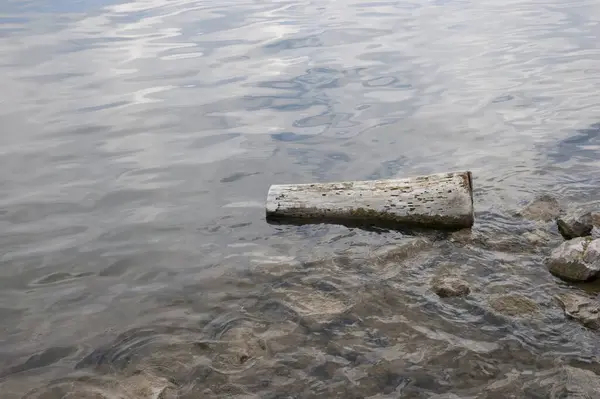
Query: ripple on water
pixel 58 277
pixel 140 139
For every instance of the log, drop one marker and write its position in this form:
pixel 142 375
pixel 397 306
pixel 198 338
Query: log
pixel 438 201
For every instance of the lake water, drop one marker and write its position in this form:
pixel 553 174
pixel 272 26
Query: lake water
pixel 138 143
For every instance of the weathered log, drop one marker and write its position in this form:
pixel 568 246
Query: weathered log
pixel 438 201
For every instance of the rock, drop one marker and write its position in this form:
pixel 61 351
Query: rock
pixel 580 225
pixel 576 260
pixel 596 225
pixel 513 305
pixel 141 385
pixel 149 386
pixel 543 208
pixel 448 286
pixel 575 226
pixel 576 383
pixel 238 347
pixel 581 308
pixel 405 250
pixel 537 237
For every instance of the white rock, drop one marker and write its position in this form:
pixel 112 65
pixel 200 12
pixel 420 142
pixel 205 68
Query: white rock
pixel 576 260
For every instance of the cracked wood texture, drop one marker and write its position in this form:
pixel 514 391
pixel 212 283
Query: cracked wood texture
pixel 437 201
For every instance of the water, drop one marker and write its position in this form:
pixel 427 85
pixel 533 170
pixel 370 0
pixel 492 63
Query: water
pixel 138 143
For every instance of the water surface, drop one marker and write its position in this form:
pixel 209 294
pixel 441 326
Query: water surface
pixel 139 140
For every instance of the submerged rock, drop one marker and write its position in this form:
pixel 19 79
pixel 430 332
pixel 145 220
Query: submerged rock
pixel 238 346
pixel 543 208
pixel 576 260
pixel 537 237
pixel 577 383
pixel 149 386
pixel 581 308
pixel 513 305
pixel 141 385
pixel 448 286
pixel 575 226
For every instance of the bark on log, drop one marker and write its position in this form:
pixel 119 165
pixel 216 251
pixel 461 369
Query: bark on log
pixel 437 201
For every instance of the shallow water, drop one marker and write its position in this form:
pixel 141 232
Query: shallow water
pixel 138 143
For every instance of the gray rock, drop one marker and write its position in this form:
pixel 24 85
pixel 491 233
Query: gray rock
pixel 448 286
pixel 576 260
pixel 575 383
pixel 595 215
pixel 543 208
pixel 581 308
pixel 575 226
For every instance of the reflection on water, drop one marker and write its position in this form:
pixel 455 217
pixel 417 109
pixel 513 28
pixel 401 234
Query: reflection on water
pixel 138 143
